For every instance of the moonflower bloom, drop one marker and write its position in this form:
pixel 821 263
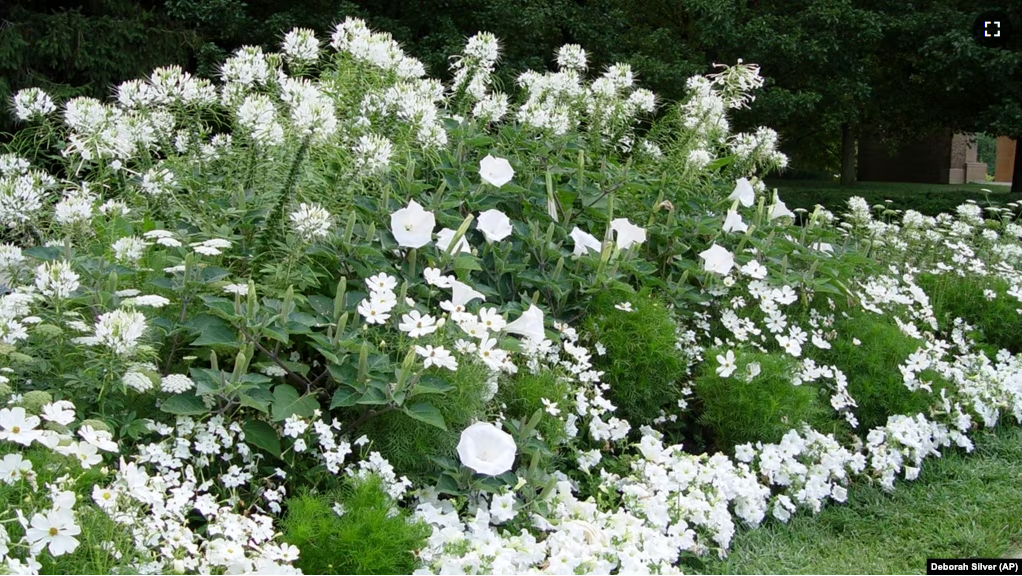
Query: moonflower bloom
pixel 584 242
pixel 412 226
pixel 444 238
pixel 779 210
pixel 717 259
pixel 496 171
pixel 743 192
pixel 627 233
pixel 529 324
pixel 495 225
pixel 733 222
pixel 487 449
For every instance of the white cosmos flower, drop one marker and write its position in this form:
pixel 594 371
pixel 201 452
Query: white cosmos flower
pixel 14 467
pixel 727 364
pixel 412 226
pixel 585 241
pixel 495 225
pixel 717 259
pixel 436 357
pixel 434 277
pixel 627 233
pixel 743 192
pixel 487 449
pixel 496 171
pixel 417 324
pixel 733 222
pixel 444 237
pixel 529 324
pixel 17 426
pixel 62 412
pixel 56 530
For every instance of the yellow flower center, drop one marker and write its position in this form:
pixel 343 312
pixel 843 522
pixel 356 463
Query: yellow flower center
pixel 53 532
pixel 16 429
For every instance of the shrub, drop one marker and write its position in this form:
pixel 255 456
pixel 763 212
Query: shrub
pixel 739 409
pixel 410 444
pixel 872 368
pixel 996 320
pixel 524 395
pixel 370 536
pixel 642 362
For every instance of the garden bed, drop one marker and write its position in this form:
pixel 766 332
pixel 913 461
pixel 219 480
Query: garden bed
pixel 331 315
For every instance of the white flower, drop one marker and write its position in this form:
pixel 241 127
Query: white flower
pixel 150 300
pixel 62 412
pixel 496 171
pixel 56 279
pixel 311 221
pixel 238 289
pixel 437 357
pixel 717 259
pixel 727 364
pixel 487 449
pixel 32 102
pixel 55 530
pixel 754 270
pixel 529 324
pixel 137 381
pixel 585 242
pixel 412 226
pixel 495 225
pixel 502 508
pixel 120 330
pixel 779 210
pixel 301 45
pixel 17 426
pixel 624 306
pixel 627 233
pixel 434 277
pixel 733 222
pixel 743 192
pixel 444 238
pixel 381 282
pixel 129 249
pixel 550 407
pixel 14 467
pixel 176 383
pixel 416 324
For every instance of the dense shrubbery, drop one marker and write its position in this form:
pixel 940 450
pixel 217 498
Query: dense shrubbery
pixel 518 315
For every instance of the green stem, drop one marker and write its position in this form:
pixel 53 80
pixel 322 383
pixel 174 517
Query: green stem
pixel 267 235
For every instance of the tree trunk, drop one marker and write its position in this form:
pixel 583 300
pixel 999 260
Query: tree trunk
pixel 847 155
pixel 1016 174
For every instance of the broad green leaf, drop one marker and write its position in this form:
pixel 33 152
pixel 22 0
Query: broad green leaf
pixel 184 405
pixel 426 412
pixel 344 397
pixel 258 398
pixel 287 402
pixel 262 435
pixel 431 385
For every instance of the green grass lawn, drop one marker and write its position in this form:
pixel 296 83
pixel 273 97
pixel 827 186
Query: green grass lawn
pixel 962 506
pixel 930 199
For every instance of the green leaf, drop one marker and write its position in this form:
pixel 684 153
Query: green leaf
pixel 184 405
pixel 43 252
pixel 344 397
pixel 213 331
pixel 426 412
pixel 466 263
pixel 258 398
pixel 261 435
pixel 322 305
pixel 447 484
pixel 286 403
pixel 431 385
